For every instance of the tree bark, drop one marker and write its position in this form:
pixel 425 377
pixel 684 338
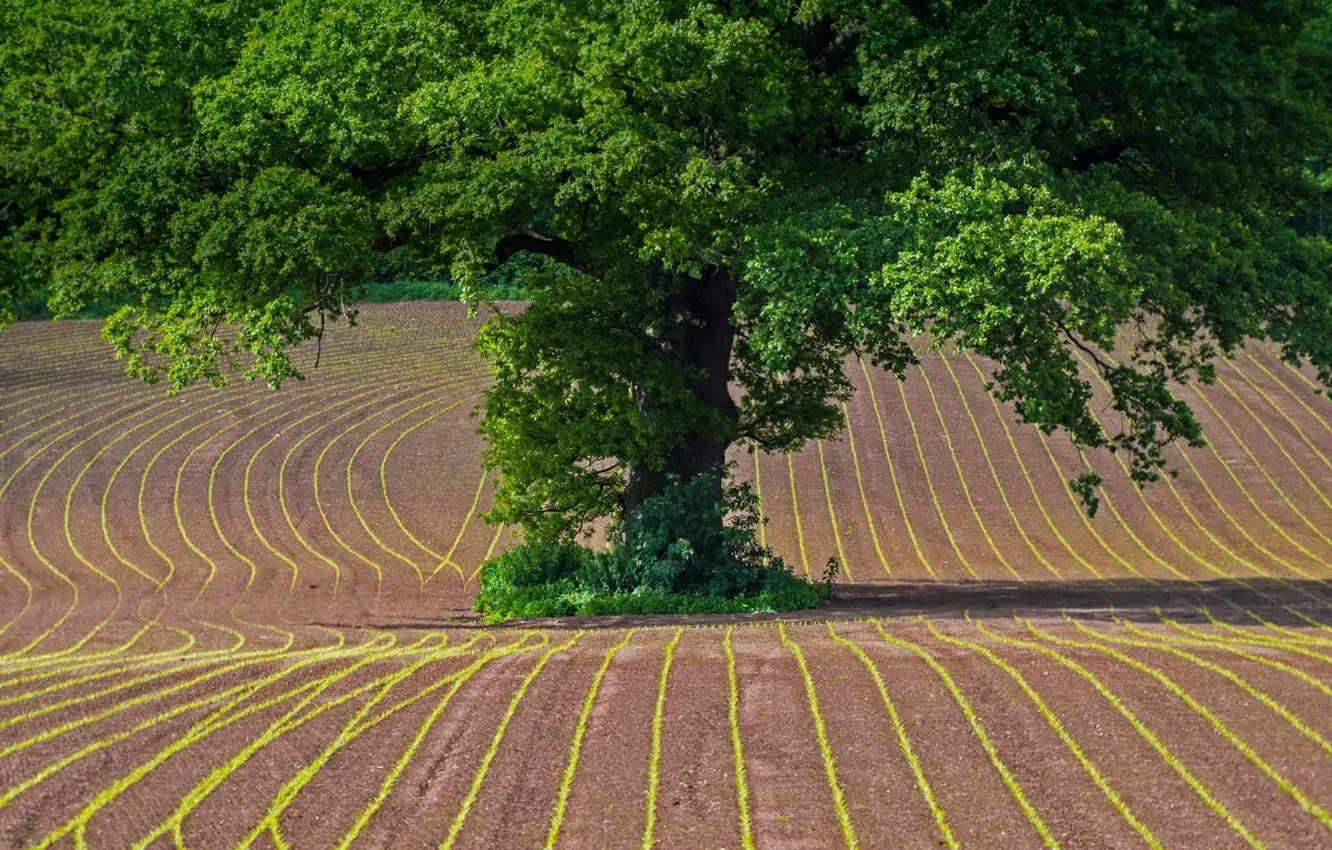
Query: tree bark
pixel 703 341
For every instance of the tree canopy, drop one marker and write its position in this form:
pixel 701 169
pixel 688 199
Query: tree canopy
pixel 719 193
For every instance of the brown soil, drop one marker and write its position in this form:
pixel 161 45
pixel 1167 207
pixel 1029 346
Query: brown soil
pixel 606 801
pixel 696 802
pixel 69 421
pixel 523 781
pixel 1256 801
pixel 978 807
pixel 883 801
pixel 1145 784
pixel 791 804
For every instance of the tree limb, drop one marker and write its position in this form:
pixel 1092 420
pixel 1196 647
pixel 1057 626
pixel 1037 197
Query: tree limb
pixel 535 242
pixel 1084 159
pixel 1103 367
pixel 828 50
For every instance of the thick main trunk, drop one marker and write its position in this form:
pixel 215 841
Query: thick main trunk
pixel 705 340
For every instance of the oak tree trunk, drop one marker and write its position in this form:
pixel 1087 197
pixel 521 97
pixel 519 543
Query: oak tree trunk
pixel 703 341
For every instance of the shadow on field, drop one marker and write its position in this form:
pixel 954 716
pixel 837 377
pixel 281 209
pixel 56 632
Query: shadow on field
pixel 1284 602
pixel 1228 600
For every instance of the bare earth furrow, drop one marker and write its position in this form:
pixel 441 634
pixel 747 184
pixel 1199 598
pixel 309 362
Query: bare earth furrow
pixel 240 618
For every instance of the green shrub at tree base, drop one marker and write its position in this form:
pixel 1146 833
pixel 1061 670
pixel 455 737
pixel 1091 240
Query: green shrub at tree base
pixel 565 599
pixel 670 557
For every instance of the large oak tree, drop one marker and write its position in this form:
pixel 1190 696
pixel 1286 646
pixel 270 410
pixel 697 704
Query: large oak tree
pixel 717 194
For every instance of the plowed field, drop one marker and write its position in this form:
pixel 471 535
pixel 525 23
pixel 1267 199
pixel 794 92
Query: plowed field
pixel 241 618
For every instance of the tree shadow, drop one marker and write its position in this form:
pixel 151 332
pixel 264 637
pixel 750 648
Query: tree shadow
pixel 1237 601
pixel 1299 603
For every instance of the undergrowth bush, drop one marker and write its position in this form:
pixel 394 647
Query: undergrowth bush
pixel 670 557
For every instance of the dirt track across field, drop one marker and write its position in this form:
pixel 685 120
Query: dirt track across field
pixel 242 618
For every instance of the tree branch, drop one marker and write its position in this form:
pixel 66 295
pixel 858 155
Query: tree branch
pixel 319 340
pixel 1083 160
pixel 1103 367
pixel 532 241
pixel 830 50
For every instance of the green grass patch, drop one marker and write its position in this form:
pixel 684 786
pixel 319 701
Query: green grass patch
pixel 391 292
pixel 34 308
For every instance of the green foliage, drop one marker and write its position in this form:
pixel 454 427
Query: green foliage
pixel 685 540
pixel 674 555
pixel 561 398
pixel 393 291
pixel 36 307
pixel 1022 179
pixel 565 599
pixel 395 279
